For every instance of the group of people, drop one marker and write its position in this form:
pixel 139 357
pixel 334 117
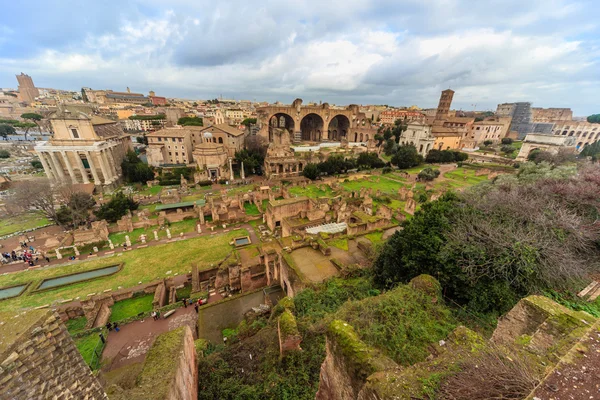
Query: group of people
pixel 111 326
pixel 28 255
pixel 196 304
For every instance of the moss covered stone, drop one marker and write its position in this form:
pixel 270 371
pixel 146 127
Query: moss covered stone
pixel 427 284
pixel 358 356
pixel 288 325
pixel 160 366
pixel 201 345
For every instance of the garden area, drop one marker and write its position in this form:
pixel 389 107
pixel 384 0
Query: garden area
pixel 131 307
pixel 142 265
pixel 22 222
pixel 90 346
pixel 176 228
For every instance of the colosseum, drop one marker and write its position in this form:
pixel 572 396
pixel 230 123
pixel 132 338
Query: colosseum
pixel 322 123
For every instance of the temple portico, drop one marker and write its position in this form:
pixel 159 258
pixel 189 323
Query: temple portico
pixel 81 164
pixel 84 149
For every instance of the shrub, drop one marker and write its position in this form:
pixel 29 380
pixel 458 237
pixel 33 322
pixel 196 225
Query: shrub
pixel 428 174
pixel 4 154
pixel 118 206
pixel 205 183
pixel 407 157
pixel 507 140
pixel 488 142
pixel 311 171
pixel 507 149
pixel 135 170
pixel 37 164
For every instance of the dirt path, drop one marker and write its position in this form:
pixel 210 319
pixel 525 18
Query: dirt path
pixel 131 344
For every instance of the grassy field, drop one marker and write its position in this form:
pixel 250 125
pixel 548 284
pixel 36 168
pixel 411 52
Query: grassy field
pixel 312 191
pixel 153 191
pixel 340 243
pixel 86 346
pixel 462 177
pixel 76 324
pixel 131 307
pixel 142 265
pixel 382 183
pixel 176 228
pixel 375 237
pixel 22 222
pixel 251 209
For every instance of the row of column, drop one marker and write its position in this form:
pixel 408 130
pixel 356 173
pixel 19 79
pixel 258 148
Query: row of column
pixel 51 160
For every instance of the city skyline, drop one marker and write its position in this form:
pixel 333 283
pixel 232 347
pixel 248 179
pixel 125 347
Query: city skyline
pixel 397 53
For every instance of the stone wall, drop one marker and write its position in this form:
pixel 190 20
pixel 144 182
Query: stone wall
pixel 97 233
pixel 39 360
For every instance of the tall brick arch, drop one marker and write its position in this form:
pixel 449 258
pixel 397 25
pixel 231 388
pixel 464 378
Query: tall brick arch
pixel 337 124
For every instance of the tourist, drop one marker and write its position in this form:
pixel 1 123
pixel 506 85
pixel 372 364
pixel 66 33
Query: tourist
pixel 157 314
pixel 185 303
pixel 109 326
pixel 196 307
pixel 47 259
pixel 116 326
pixel 154 315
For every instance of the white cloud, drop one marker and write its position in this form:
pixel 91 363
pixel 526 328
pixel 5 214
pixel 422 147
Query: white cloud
pixel 390 51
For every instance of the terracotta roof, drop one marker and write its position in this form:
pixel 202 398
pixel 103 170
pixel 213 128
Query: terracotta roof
pixel 230 130
pixel 96 120
pixel 170 132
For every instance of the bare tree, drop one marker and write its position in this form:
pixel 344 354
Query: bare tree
pixel 33 195
pixel 493 373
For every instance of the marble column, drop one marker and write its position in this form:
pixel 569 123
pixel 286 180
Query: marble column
pixel 92 163
pixel 49 172
pixel 69 167
pixel 104 168
pixel 81 167
pixel 57 167
pixel 242 171
pixel 112 159
pixel 112 168
pixel 230 170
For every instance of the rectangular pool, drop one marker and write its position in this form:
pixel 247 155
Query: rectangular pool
pixel 77 277
pixel 242 241
pixel 12 291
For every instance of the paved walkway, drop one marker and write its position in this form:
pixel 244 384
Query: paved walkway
pixel 22 266
pixel 131 344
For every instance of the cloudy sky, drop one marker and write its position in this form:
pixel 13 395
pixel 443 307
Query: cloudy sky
pixel 397 52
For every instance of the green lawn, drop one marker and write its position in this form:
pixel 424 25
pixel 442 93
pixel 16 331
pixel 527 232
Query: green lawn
pixel 251 209
pixel 312 191
pixel 375 237
pixel 142 265
pixel 176 228
pixel 131 307
pixel 22 222
pixel 456 178
pixel 76 324
pixel 86 346
pixel 153 191
pixel 341 243
pixel 386 185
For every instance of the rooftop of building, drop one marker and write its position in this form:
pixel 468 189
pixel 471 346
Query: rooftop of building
pixel 170 132
pixel 230 130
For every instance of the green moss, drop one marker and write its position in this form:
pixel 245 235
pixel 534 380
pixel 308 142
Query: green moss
pixel 75 325
pixel 287 303
pixel 362 359
pixel 287 324
pixel 427 284
pixel 201 345
pixel 523 340
pixel 161 364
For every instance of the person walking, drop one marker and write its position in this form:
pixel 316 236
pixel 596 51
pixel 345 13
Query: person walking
pixel 185 303
pixel 196 307
pixel 109 326
pixel 116 326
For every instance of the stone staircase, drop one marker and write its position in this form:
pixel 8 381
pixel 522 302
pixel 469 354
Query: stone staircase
pixel 591 291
